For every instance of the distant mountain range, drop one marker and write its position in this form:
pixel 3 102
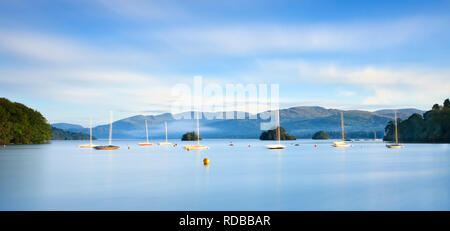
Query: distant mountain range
pixel 299 121
pixel 402 113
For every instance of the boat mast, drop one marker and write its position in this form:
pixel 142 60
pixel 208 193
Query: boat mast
pixel 278 128
pixel 165 124
pixel 110 126
pixel 198 131
pixel 146 130
pixel 396 129
pixel 342 125
pixel 90 131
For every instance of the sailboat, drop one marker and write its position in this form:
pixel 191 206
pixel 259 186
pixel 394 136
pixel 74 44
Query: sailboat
pixel 278 145
pixel 109 146
pixel 90 145
pixel 146 132
pixel 396 145
pixel 375 136
pixel 165 143
pixel 196 146
pixel 341 144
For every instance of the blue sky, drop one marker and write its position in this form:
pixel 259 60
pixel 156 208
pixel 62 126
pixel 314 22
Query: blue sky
pixel 75 59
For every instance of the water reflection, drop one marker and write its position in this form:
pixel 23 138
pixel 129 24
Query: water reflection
pixel 367 176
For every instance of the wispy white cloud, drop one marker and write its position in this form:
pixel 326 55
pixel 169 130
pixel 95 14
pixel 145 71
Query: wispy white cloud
pixel 114 89
pixel 399 85
pixel 256 38
pixel 59 49
pixel 43 47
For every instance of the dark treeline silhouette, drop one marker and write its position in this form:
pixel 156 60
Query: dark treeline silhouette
pixel 272 135
pixel 20 124
pixel 190 136
pixel 59 134
pixel 432 127
pixel 349 135
pixel 320 135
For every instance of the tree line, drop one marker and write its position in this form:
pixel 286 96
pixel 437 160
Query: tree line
pixel 59 134
pixel 190 136
pixel 348 135
pixel 432 127
pixel 273 135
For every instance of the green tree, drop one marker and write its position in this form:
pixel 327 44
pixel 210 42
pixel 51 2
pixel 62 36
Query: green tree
pixel 412 129
pixel 447 103
pixel 320 135
pixel 435 107
pixel 190 136
pixel 272 135
pixel 433 126
pixel 6 134
pixel 59 134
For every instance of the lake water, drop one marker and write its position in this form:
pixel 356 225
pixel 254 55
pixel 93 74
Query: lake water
pixel 367 176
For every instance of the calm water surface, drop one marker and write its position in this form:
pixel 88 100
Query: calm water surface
pixel 367 176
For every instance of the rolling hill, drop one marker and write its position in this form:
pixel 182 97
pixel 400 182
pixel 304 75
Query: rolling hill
pixel 299 121
pixel 401 113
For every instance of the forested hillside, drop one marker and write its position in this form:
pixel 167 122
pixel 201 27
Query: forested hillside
pixel 59 134
pixel 20 124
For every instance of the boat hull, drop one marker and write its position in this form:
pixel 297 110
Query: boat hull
pixel 164 144
pixel 275 146
pixel 195 147
pixel 394 146
pixel 341 144
pixel 87 146
pixel 145 144
pixel 108 147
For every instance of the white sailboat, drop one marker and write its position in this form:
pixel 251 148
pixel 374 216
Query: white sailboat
pixel 196 146
pixel 109 146
pixel 90 145
pixel 341 144
pixel 278 145
pixel 167 142
pixel 375 136
pixel 396 145
pixel 146 132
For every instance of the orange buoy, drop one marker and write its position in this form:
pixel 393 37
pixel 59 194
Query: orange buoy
pixel 249 145
pixel 206 161
pixel 315 145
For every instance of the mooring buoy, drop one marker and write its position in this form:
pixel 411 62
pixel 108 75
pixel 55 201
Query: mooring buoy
pixel 206 161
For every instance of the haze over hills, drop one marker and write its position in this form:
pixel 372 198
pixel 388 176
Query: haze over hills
pixel 66 126
pixel 401 113
pixel 299 121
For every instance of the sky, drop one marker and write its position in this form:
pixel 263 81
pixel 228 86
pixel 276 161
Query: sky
pixel 73 60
